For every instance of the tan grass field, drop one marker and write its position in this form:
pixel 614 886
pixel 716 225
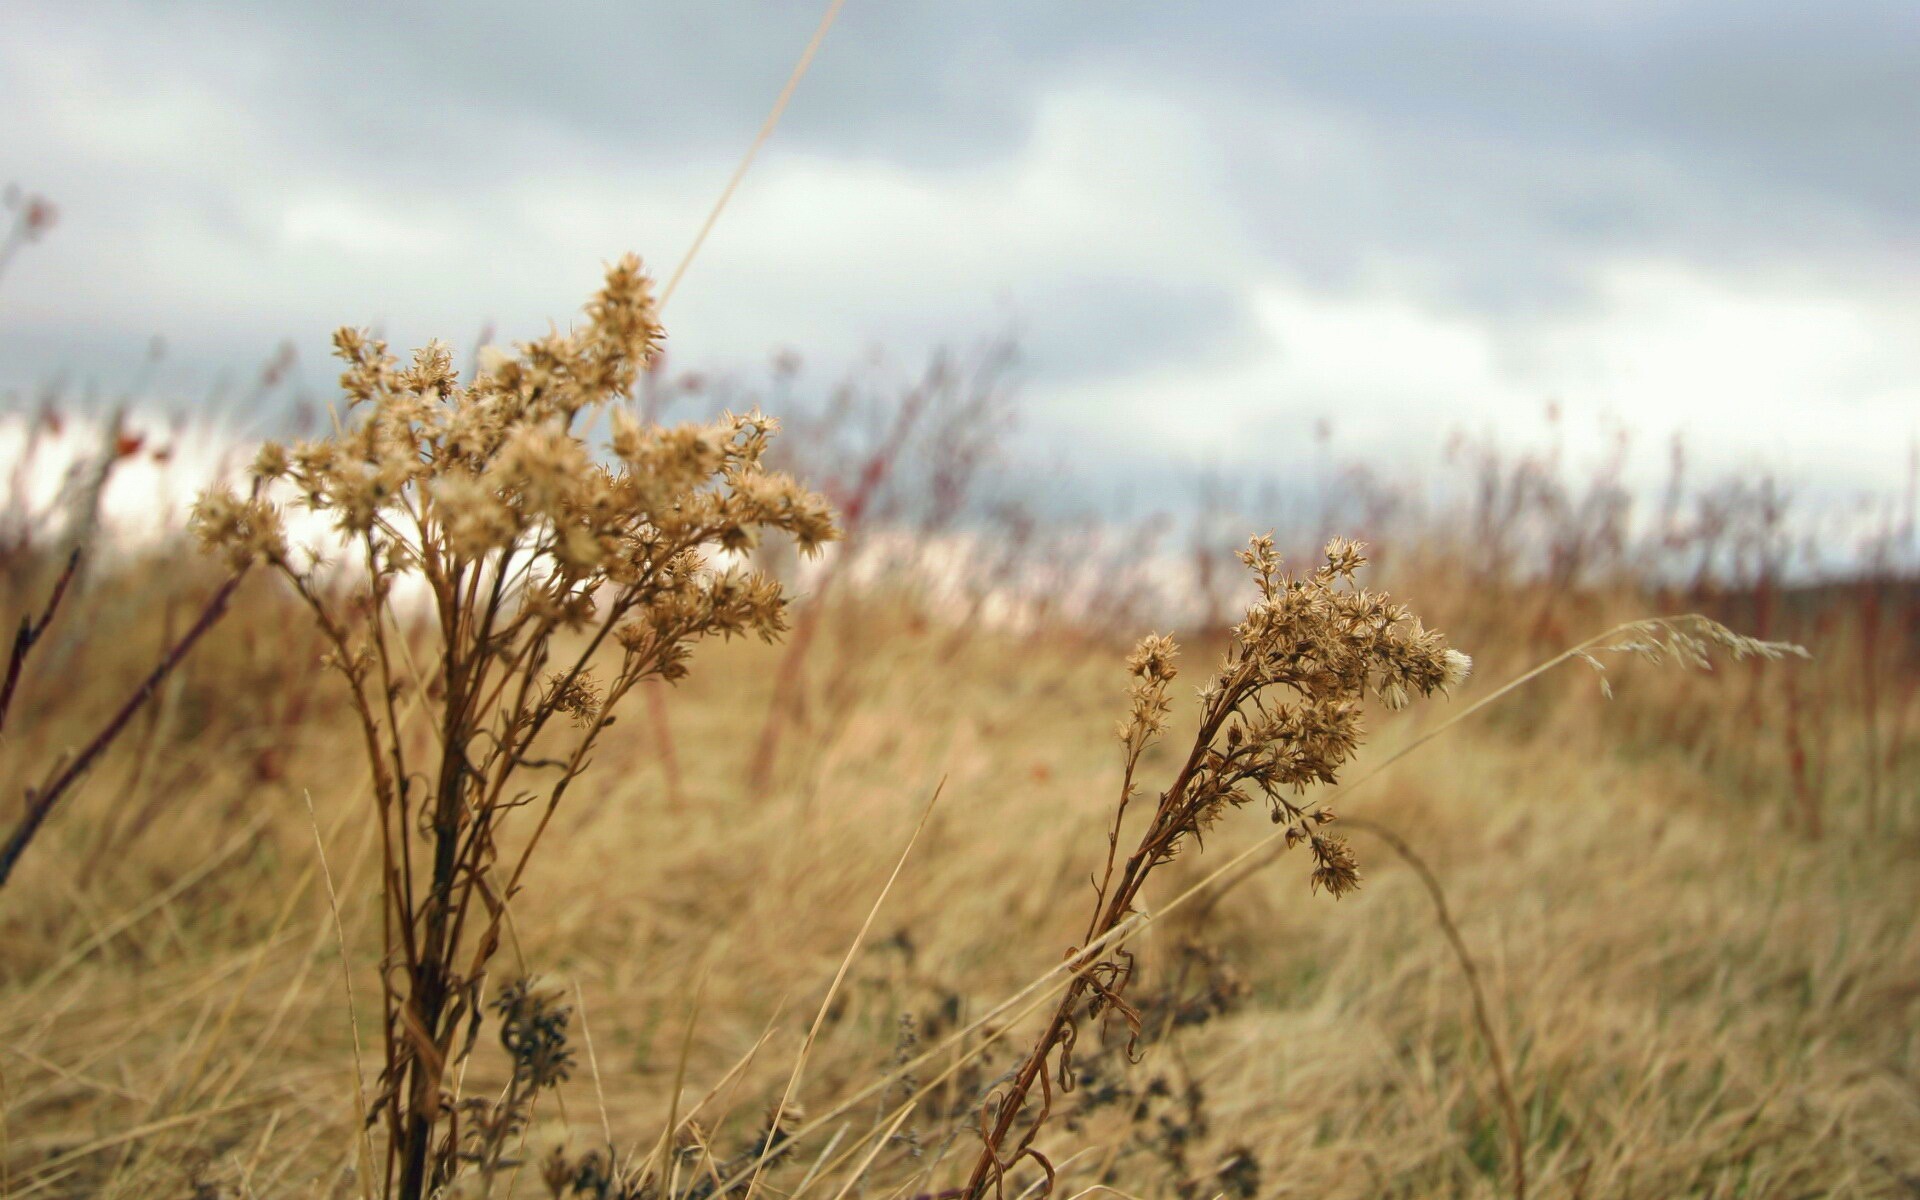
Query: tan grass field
pixel 1694 996
pixel 810 910
pixel 494 795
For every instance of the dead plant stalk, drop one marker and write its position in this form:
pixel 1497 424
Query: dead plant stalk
pixel 544 562
pixel 1323 644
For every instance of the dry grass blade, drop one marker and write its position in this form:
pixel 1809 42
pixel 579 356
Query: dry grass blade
pixel 820 1163
pixel 159 901
pixel 1503 1080
pixel 760 139
pixel 880 1143
pixel 735 1071
pixel 48 1172
pixel 833 989
pixel 663 1148
pixel 360 1107
pixel 593 1062
pixel 1035 994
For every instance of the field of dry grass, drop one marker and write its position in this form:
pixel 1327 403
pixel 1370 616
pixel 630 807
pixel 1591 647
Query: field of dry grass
pixel 1628 929
pixel 1694 995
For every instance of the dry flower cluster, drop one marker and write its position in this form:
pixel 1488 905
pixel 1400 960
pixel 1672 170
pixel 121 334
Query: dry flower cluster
pixel 538 553
pixel 1282 714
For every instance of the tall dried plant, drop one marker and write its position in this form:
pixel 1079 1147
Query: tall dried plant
pixel 1282 714
pixel 558 576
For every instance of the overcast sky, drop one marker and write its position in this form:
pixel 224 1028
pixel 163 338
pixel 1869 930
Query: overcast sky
pixel 1209 225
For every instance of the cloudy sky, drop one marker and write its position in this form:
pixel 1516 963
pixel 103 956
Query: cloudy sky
pixel 1209 225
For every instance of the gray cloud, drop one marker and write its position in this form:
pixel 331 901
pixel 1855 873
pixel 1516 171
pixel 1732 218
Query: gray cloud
pixel 1142 190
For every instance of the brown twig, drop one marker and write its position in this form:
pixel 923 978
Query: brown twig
pixel 41 801
pixel 790 677
pixel 30 631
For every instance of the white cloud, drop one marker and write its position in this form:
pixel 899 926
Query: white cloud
pixel 1202 267
pixel 1822 385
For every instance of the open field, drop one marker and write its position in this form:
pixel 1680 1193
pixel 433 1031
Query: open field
pixel 549 776
pixel 1247 725
pixel 1689 909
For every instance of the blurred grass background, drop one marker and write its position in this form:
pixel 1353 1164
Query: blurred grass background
pixel 1691 905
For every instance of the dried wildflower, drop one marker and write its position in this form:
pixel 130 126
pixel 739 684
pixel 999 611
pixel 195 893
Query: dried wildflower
pixel 271 462
pixel 243 531
pixel 1151 665
pixel 1334 866
pixel 1153 658
pixel 1282 714
pixel 576 696
pixel 543 555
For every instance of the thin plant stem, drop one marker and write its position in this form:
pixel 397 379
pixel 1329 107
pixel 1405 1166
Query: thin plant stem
pixel 759 139
pixel 30 632
pixel 42 801
pixel 1509 1106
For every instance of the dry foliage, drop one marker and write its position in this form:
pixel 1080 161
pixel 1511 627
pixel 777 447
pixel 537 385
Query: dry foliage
pixel 534 555
pixel 1282 714
pixel 1686 948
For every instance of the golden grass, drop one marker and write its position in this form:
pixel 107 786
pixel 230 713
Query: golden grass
pixel 1693 999
pixel 1659 948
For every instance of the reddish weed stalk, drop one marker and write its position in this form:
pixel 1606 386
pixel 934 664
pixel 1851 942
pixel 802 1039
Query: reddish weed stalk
pixel 854 509
pixel 42 800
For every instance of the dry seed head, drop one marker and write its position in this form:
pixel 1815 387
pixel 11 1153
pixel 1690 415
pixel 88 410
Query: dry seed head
pixel 577 696
pixel 491 359
pixel 1284 708
pixel 475 519
pixel 533 1031
pixel 1687 641
pixel 1334 866
pixel 271 462
pixel 495 465
pixel 488 494
pixel 1153 658
pixel 243 530
pixel 1152 666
